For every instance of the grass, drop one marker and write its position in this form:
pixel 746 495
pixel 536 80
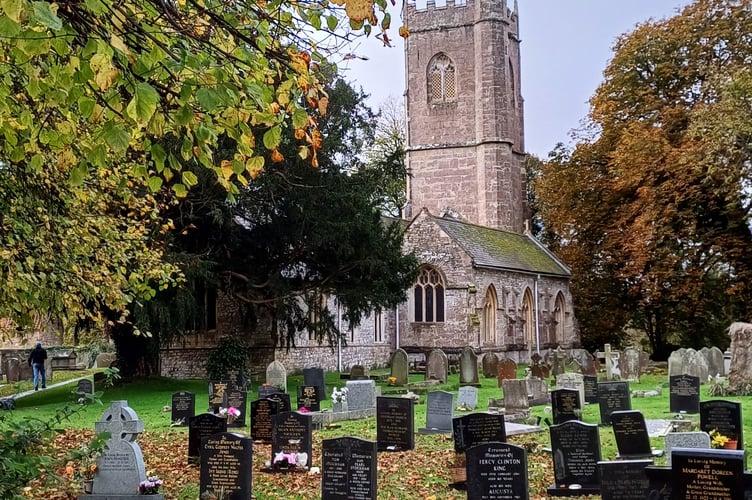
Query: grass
pixel 421 473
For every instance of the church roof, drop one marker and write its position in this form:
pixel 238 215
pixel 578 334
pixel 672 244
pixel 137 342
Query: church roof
pixel 497 249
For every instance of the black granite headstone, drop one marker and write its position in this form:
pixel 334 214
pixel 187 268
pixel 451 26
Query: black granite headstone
pixel 576 450
pixel 183 407
pixel 309 397
pixel 725 417
pixel 478 428
pixel 395 424
pixel 699 474
pixel 217 390
pixel 282 399
pixel 631 434
pixel 226 466
pixel 684 393
pixel 239 400
pixel 235 380
pixel 85 386
pixel 265 391
pixel 262 411
pixel 199 427
pixel 291 433
pixel 613 396
pixel 565 404
pixel 496 471
pixel 591 388
pixel 624 480
pixel 439 413
pixel 348 469
pixel 315 377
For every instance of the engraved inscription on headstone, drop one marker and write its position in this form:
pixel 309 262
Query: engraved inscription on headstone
pixel 624 480
pixel 565 404
pixel 291 433
pixel 237 399
pixel 707 474
pixel 478 428
pixel 631 433
pixel 199 427
pixel 262 411
pixel 183 407
pixel 315 377
pixel 498 472
pixel 576 451
pixel 725 417
pixel 226 465
pixel 613 396
pixel 395 424
pixel 309 397
pixel 591 388
pixel 684 394
pixel 439 413
pixel 348 469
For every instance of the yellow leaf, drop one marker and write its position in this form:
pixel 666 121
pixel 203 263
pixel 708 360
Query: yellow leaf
pixel 226 169
pixel 359 10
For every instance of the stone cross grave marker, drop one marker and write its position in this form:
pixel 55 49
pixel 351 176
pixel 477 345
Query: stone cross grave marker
pixel 613 363
pixel 226 466
pixel 558 361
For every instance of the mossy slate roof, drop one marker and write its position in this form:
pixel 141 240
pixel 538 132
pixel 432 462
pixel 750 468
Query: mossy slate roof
pixel 496 249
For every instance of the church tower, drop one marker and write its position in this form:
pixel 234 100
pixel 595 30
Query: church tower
pixel 465 112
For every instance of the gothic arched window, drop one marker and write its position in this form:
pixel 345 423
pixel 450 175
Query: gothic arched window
pixel 442 80
pixel 428 297
pixel 489 316
pixel 528 315
pixel 559 317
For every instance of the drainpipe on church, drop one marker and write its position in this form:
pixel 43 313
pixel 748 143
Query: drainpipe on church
pixel 339 338
pixel 397 328
pixel 537 326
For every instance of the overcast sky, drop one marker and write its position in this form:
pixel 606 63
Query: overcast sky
pixel 565 48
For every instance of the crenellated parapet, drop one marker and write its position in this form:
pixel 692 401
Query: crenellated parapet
pixel 432 14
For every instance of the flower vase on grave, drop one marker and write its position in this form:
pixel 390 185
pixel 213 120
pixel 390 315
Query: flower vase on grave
pixel 339 406
pixel 730 444
pixel 87 485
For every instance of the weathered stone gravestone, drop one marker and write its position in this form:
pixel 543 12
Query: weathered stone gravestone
pixel 565 405
pixel 506 370
pixel 348 469
pixel 199 427
pixel 439 413
pixel 183 407
pixel 630 365
pixel 276 375
pixel 613 396
pixel 358 372
pixel 740 364
pixel 467 397
pixel 714 358
pixel 105 360
pixel 684 395
pixel 309 397
pixel 121 465
pixel 624 480
pixel 226 466
pixel 613 363
pixel 489 364
pixel 576 450
pixel 587 363
pixel 361 394
pixel 315 377
pixel 688 362
pixel 515 395
pixel 537 391
pixel 724 417
pixel 673 440
pixel 468 367
pixel 707 474
pixel 498 471
pixel 395 424
pixel 558 362
pixel 262 411
pixel 478 428
pixel 536 370
pixel 437 366
pixel 573 381
pixel 631 433
pixel 399 367
pixel 292 434
pixel 12 370
pixel 85 386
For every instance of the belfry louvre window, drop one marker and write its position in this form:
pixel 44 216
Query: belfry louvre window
pixel 428 298
pixel 442 81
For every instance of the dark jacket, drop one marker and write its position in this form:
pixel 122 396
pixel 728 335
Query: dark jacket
pixel 37 356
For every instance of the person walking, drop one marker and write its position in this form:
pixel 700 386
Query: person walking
pixel 36 361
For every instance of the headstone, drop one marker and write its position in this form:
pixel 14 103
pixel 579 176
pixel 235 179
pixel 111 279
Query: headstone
pixel 506 370
pixel 399 367
pixel 684 395
pixel 121 465
pixel 613 396
pixel 587 364
pixel 535 367
pixel 644 362
pixel 566 406
pixel 282 399
pixel 276 375
pixel 515 395
pixel 183 407
pixel 685 440
pixel 105 360
pixel 613 363
pixel 217 390
pixel 467 397
pixel 291 433
pixel 537 391
pixel 262 411
pixel 576 451
pixel 688 362
pixel 630 365
pixel 315 377
pixel 489 365
pixel 558 361
pixel 237 399
pixel 478 428
pixel 309 397
pixel 235 380
pixel 498 472
pixel 395 424
pixel 358 372
pixel 266 390
pixel 12 370
pixel 361 394
pixel 437 366
pixel 714 357
pixel 624 480
pixel 631 434
pixel 468 367
pixel 739 362
pixel 348 469
pixel 573 381
pixel 439 413
pixel 676 363
pixel 590 385
pixel 724 417
pixel 227 465
pixel 85 386
pixel 199 427
pixel 707 474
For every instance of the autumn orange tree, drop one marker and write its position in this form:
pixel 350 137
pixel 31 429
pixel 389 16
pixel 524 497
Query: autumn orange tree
pixel 106 109
pixel 651 207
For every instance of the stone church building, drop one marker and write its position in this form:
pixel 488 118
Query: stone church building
pixel 484 281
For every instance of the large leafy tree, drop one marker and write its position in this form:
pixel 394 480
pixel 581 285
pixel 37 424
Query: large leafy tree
pixel 651 208
pixel 103 102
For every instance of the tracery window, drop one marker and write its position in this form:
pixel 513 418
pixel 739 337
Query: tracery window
pixel 489 316
pixel 428 297
pixel 559 317
pixel 442 80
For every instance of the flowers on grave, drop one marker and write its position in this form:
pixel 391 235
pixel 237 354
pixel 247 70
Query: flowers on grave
pixel 392 380
pixel 150 486
pixel 292 459
pixel 82 462
pixel 339 395
pixel 717 440
pixel 230 414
